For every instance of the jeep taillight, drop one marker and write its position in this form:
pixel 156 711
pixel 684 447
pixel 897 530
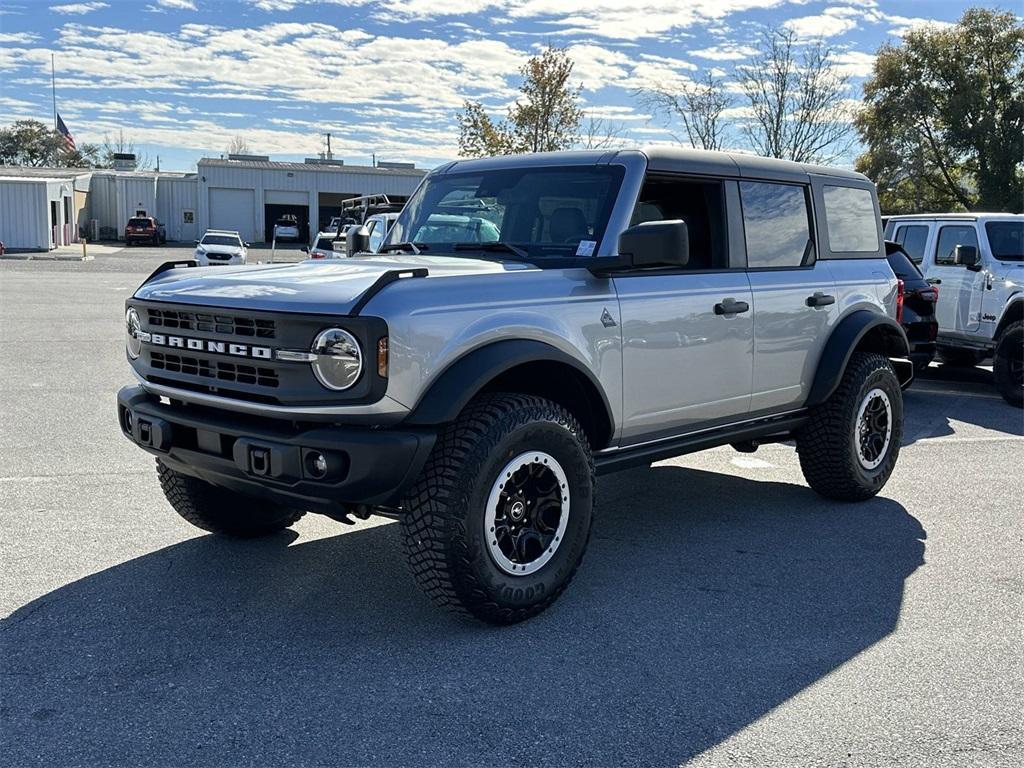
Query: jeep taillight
pixel 900 291
pixel 931 293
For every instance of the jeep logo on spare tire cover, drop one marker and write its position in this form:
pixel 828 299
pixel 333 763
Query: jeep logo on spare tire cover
pixel 205 345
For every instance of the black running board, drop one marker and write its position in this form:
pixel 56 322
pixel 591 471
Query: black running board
pixel 776 427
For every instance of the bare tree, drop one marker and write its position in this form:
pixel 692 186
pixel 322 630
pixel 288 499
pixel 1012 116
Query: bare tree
pixel 602 133
pixel 238 146
pixel 797 103
pixel 699 106
pixel 121 144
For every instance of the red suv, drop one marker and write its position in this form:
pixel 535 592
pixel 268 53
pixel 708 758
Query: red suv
pixel 145 229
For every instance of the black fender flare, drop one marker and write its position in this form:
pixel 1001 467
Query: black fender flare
pixel 852 332
pixel 462 380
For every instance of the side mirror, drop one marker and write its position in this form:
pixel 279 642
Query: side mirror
pixel 197 242
pixel 357 240
pixel 967 255
pixel 656 244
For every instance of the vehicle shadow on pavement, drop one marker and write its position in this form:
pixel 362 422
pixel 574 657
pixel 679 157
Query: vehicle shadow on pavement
pixel 705 600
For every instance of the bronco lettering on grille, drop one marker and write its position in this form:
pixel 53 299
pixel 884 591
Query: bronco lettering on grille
pixel 205 345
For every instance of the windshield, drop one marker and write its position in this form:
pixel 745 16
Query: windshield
pixel 222 240
pixel 559 211
pixel 1006 238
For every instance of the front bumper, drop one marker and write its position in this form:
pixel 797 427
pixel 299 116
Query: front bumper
pixel 269 457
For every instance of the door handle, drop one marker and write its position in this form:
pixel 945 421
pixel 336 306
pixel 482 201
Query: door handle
pixel 820 299
pixel 731 307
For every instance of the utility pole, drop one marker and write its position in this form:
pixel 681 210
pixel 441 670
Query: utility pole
pixel 53 84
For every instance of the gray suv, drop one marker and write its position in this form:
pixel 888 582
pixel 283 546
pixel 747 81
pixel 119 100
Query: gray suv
pixel 529 323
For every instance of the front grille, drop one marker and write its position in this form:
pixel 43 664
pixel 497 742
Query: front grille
pixel 220 370
pixel 231 325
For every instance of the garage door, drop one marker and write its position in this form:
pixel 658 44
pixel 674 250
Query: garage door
pixel 234 209
pixel 285 197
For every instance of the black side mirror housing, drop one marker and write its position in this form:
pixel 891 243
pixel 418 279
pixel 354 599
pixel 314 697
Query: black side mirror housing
pixel 967 255
pixel 357 240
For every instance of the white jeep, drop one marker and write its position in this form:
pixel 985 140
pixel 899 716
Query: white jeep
pixel 976 260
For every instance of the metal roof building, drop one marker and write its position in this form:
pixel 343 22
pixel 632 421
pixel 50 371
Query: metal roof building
pixel 250 195
pixel 41 208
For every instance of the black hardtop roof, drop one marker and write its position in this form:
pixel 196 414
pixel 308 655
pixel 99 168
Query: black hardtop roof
pixel 665 158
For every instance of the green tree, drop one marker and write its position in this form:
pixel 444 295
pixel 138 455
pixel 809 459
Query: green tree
pixel 546 117
pixel 943 117
pixel 30 142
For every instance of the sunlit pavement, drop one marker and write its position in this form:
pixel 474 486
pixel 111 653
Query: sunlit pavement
pixel 725 615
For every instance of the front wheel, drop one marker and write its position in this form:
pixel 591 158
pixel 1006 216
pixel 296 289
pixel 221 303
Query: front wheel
pixel 850 443
pixel 499 519
pixel 220 511
pixel 1009 364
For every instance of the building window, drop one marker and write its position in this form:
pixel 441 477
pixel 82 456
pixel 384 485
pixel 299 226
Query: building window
pixel 188 217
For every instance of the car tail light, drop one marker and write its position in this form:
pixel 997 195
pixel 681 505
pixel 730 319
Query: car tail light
pixel 931 293
pixel 900 291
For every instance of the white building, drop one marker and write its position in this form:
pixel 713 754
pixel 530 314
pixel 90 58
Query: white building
pixel 42 208
pixel 249 195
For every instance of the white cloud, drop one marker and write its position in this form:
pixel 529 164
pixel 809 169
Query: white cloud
pixel 834 21
pixel 78 8
pixel 17 37
pixel 854 63
pixel 725 52
pixel 185 5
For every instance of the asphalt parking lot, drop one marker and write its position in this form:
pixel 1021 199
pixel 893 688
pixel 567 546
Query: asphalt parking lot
pixel 724 616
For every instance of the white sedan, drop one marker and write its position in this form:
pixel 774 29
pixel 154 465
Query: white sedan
pixel 221 247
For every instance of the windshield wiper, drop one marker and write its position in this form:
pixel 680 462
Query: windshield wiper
pixel 494 245
pixel 414 247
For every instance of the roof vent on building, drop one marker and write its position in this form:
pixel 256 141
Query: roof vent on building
pixel 322 161
pixel 251 158
pixel 396 166
pixel 124 161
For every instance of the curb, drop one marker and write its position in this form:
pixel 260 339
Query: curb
pixel 45 257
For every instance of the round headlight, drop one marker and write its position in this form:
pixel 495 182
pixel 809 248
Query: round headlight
pixel 339 361
pixel 132 326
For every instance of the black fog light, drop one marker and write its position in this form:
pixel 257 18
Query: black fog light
pixel 316 465
pixel 127 420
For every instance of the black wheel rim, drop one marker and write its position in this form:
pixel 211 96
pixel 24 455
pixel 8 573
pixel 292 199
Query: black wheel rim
pixel 874 429
pixel 527 513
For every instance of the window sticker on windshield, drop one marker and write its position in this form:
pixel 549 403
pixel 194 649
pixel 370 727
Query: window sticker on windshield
pixel 586 248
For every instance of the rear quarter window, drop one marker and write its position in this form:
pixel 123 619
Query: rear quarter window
pixel 850 219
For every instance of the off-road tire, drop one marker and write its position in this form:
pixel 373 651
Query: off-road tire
pixel 220 511
pixel 443 514
pixel 1009 349
pixel 827 443
pixel 958 358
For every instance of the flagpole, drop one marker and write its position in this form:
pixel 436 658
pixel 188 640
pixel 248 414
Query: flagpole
pixel 53 83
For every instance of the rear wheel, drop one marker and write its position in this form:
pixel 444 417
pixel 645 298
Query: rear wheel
pixel 499 519
pixel 220 511
pixel 849 445
pixel 1009 364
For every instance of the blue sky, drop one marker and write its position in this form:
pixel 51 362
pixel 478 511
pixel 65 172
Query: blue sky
pixel 182 77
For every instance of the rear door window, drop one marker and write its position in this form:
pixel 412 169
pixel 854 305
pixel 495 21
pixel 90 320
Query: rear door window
pixel 914 239
pixel 850 219
pixel 777 223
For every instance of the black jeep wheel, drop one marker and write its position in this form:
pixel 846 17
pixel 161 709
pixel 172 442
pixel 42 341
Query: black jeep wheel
pixel 497 523
pixel 220 511
pixel 1009 364
pixel 850 443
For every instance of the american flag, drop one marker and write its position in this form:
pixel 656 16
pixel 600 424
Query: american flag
pixel 69 140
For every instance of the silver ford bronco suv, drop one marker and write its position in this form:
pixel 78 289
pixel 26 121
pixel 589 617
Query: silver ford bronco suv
pixel 528 323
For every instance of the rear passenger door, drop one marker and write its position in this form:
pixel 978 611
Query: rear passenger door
pixel 687 333
pixel 794 293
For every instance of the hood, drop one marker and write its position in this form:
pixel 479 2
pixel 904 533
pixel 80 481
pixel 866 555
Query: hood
pixel 318 287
